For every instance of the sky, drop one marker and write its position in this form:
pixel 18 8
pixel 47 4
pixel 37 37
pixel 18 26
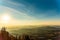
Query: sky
pixel 31 12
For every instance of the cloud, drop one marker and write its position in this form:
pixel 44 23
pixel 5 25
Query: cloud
pixel 10 10
pixel 14 3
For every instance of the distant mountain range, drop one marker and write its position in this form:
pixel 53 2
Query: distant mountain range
pixel 36 30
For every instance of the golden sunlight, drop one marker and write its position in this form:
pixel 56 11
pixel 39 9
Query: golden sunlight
pixel 5 18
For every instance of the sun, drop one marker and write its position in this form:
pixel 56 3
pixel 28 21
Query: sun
pixel 5 18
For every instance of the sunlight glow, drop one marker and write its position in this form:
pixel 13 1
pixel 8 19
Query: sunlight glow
pixel 5 18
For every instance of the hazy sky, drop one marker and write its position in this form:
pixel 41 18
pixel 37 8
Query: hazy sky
pixel 32 11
